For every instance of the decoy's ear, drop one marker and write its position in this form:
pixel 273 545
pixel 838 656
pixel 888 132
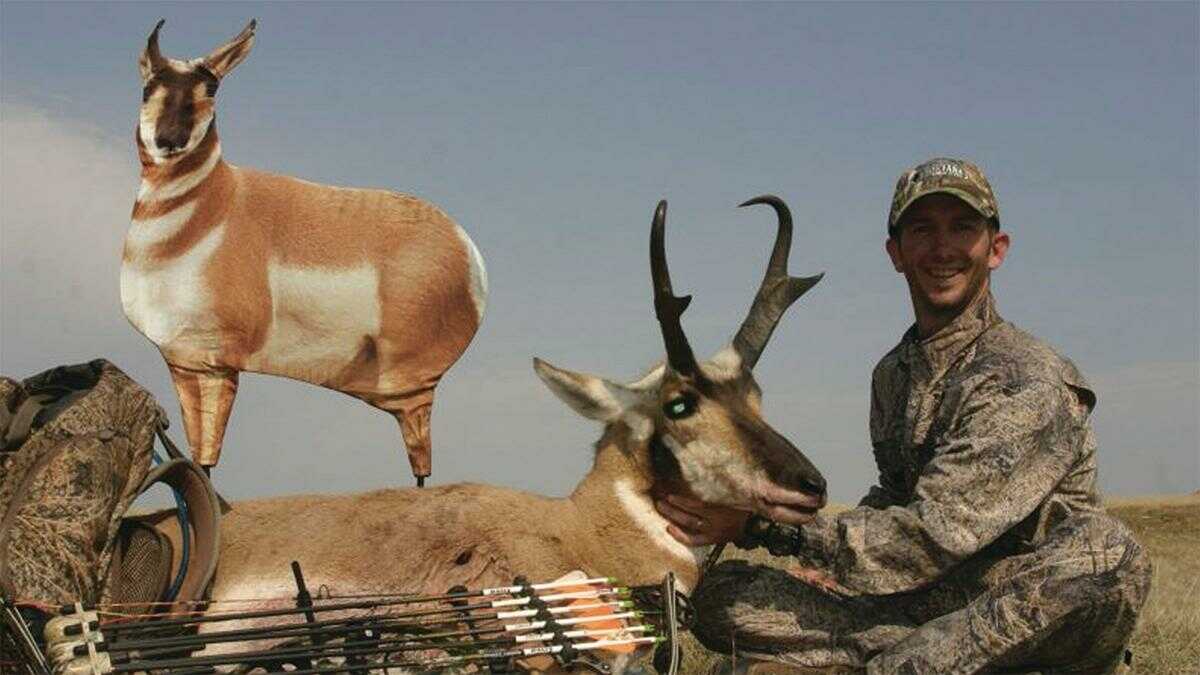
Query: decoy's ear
pixel 226 57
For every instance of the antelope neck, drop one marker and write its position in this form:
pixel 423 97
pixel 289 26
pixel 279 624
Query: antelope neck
pixel 623 492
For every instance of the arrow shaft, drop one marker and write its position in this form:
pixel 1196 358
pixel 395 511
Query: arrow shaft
pixel 335 650
pixel 361 604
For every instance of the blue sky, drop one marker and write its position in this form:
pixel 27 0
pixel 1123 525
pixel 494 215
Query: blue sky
pixel 549 131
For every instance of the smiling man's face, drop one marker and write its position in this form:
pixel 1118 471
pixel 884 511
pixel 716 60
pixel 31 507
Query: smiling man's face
pixel 946 251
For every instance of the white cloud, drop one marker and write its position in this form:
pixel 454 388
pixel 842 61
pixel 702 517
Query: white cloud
pixel 66 191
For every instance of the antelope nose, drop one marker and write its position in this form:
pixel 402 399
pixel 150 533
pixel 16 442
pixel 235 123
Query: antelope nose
pixel 813 484
pixel 791 469
pixel 167 143
pixel 806 479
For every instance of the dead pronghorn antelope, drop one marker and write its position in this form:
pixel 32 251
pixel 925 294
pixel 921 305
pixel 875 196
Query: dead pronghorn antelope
pixel 694 427
pixel 226 269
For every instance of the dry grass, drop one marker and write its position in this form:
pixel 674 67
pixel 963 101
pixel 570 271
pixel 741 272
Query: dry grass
pixel 1168 635
pixel 1167 640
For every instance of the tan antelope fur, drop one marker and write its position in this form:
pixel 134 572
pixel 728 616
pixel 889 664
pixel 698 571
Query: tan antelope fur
pixel 686 426
pixel 227 269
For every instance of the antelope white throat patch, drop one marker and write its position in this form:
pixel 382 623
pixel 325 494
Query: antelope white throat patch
pixel 150 231
pixel 150 192
pixel 641 510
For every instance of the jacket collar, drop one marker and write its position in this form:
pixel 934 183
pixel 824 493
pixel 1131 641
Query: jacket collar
pixel 940 350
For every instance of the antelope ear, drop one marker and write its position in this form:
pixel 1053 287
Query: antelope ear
pixel 593 397
pixel 226 57
pixel 151 58
pixel 727 361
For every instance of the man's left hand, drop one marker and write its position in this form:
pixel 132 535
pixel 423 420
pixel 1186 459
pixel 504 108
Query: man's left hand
pixel 697 523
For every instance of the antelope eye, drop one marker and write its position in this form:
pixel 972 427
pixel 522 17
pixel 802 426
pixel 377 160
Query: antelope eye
pixel 679 407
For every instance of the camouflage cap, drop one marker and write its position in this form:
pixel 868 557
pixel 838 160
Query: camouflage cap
pixel 943 174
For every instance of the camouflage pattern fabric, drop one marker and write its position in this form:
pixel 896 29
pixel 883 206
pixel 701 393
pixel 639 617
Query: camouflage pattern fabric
pixel 984 544
pixel 64 490
pixel 943 174
pixel 1068 607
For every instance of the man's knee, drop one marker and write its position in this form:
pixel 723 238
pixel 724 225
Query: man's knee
pixel 1121 587
pixel 1094 587
pixel 1108 568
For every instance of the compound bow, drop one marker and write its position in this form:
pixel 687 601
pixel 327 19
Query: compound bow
pixel 504 629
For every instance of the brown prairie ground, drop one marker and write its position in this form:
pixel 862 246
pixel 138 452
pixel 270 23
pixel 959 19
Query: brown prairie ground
pixel 1168 635
pixel 1167 640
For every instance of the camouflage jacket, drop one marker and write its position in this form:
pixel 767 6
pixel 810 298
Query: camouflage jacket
pixel 982 440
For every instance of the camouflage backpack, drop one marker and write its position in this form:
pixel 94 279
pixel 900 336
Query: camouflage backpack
pixel 75 451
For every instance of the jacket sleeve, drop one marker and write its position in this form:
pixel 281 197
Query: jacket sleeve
pixel 878 497
pixel 1002 457
pixel 884 494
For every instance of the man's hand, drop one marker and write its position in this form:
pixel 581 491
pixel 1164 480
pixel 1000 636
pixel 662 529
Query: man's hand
pixel 696 523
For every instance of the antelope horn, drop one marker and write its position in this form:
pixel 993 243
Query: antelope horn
pixel 152 51
pixel 667 306
pixel 777 292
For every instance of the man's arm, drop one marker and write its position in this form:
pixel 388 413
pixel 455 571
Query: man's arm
pixel 886 493
pixel 883 495
pixel 1009 448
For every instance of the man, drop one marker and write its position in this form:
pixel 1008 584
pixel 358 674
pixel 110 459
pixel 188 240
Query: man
pixel 985 546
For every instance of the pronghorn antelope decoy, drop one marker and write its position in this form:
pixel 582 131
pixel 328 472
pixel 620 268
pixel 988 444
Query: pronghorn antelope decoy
pixel 227 269
pixel 694 426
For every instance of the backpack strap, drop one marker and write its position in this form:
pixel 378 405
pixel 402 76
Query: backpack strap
pixel 17 428
pixel 204 511
pixel 49 393
pixel 160 430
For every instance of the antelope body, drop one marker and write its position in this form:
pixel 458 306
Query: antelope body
pixel 227 269
pixel 686 427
